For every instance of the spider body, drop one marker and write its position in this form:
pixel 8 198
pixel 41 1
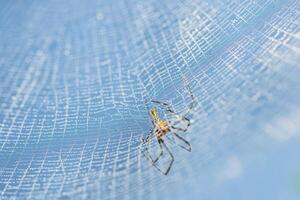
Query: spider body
pixel 163 128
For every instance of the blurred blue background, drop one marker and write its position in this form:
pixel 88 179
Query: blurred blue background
pixel 74 76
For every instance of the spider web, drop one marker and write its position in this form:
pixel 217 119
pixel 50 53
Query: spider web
pixel 74 77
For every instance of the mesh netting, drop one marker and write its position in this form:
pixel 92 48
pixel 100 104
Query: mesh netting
pixel 74 77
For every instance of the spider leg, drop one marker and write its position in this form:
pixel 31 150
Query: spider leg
pixel 193 102
pixel 146 142
pixel 145 150
pixel 167 107
pixel 188 146
pixel 179 117
pixel 161 103
pixel 186 120
pixel 149 155
pixel 161 152
pixel 188 123
pixel 186 113
pixel 171 155
pixel 153 162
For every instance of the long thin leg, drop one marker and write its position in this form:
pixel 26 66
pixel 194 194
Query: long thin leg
pixel 146 142
pixel 189 148
pixel 190 107
pixel 148 156
pixel 188 123
pixel 178 116
pixel 160 154
pixel 154 163
pixel 186 147
pixel 171 155
pixel 168 108
pixel 193 102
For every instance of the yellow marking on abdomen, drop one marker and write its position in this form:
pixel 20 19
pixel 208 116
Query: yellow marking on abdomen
pixel 154 116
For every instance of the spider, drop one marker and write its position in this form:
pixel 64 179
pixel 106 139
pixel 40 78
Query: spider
pixel 162 128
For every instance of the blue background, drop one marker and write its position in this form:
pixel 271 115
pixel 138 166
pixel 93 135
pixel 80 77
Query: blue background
pixel 74 77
